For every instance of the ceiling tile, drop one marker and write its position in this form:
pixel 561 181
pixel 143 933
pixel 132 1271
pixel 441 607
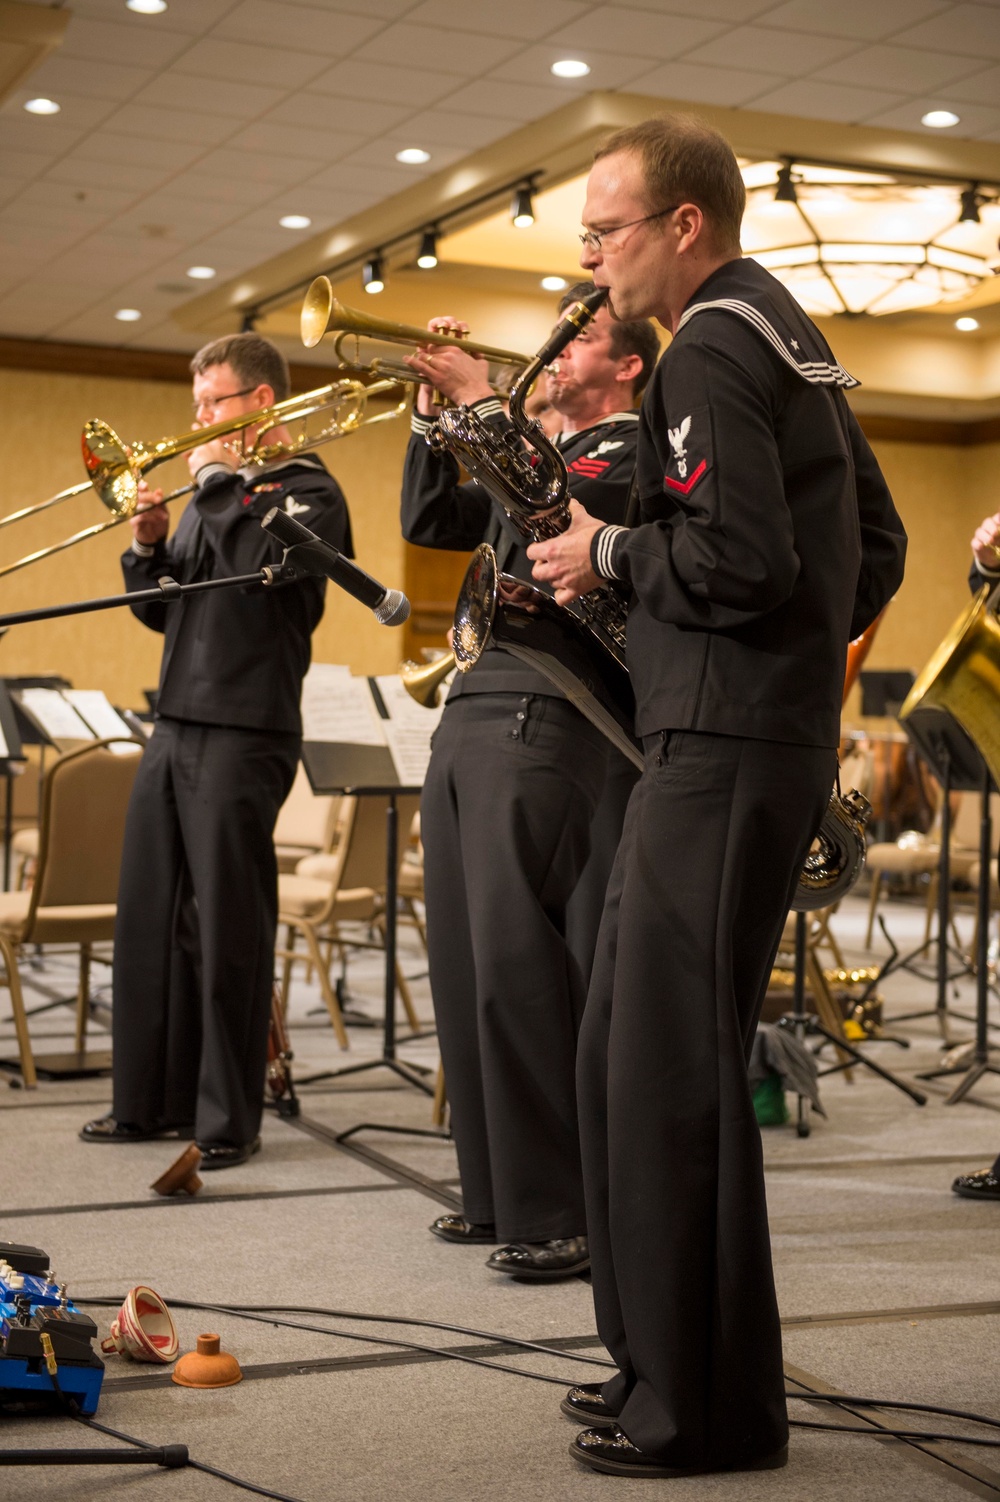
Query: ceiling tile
pixel 515 18
pixel 967 29
pixel 607 70
pixel 192 17
pixel 185 91
pixel 111 147
pixel 234 188
pixel 182 217
pixel 520 101
pixel 330 33
pixel 825 101
pixel 324 145
pixel 256 166
pixel 145 119
pixel 981 88
pixel 240 61
pixel 381 81
pixel 25 164
pixel 449 128
pixel 58 202
pixel 711 10
pixel 851 18
pixel 352 177
pixel 691 81
pixel 92 261
pixel 325 112
pixel 437 47
pixel 790 52
pixel 77 113
pixel 141 45
pixel 974 119
pixel 105 80
pixel 619 28
pixel 81 173
pixel 380 156
pixel 19 132
pixel 906 68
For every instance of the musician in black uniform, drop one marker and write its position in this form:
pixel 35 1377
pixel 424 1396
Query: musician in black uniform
pixel 516 775
pixel 197 905
pixel 767 541
pixel 984 1183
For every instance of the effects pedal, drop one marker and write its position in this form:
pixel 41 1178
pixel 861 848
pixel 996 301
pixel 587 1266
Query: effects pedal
pixel 34 1306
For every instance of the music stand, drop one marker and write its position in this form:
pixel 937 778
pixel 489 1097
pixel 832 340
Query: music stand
pixel 981 1061
pixel 958 766
pixel 11 765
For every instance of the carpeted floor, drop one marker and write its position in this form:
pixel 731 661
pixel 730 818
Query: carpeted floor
pixel 888 1284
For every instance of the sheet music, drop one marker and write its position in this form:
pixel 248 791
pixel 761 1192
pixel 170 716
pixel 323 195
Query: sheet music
pixel 97 711
pixel 56 715
pixel 408 730
pixel 338 707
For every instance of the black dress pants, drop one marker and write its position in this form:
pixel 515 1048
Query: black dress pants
pixel 505 816
pixel 714 838
pixel 583 915
pixel 194 937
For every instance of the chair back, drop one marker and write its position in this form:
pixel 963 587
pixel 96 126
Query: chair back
pixel 306 820
pixel 84 800
pixel 359 860
pixel 965 823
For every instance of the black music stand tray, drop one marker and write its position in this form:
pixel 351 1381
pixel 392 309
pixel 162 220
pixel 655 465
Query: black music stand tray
pixel 981 1063
pixel 958 766
pixel 352 770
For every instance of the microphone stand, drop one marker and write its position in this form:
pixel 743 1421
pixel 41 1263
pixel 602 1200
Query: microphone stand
pixel 166 589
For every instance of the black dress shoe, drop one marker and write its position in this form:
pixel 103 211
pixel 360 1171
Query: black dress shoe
pixel 611 1451
pixel 538 1260
pixel 983 1185
pixel 224 1154
pixel 457 1228
pixel 586 1405
pixel 107 1129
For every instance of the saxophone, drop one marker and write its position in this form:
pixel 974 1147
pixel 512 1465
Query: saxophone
pixel 581 648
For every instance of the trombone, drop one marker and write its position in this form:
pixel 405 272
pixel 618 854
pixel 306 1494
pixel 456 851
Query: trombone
pixel 116 468
pixel 323 314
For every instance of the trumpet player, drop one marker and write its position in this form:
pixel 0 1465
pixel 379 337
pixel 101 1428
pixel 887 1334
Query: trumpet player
pixel 766 541
pixel 515 777
pixel 197 906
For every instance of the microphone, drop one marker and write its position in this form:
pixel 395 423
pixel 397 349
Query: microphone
pixel 390 607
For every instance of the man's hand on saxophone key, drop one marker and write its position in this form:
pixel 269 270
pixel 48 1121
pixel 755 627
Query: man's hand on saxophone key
pixel 564 561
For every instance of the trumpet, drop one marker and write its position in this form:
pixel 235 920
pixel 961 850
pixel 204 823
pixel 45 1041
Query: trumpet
pixel 323 314
pixel 115 468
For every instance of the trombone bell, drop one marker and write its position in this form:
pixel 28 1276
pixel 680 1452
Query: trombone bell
pixel 109 467
pixel 963 677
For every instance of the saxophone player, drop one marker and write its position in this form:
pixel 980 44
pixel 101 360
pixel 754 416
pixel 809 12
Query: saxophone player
pixel 515 778
pixel 767 540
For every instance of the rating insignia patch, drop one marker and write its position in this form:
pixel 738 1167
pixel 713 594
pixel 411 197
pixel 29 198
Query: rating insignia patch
pixel 690 452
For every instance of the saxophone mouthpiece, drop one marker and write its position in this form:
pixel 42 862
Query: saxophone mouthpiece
pixel 573 321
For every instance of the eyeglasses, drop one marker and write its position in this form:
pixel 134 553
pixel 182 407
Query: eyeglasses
pixel 216 401
pixel 592 237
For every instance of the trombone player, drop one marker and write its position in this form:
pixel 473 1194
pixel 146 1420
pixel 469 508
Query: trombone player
pixel 515 777
pixel 197 905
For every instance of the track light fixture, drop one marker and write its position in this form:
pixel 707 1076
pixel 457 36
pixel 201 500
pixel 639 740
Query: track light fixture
pixel 785 191
pixel 970 201
pixel 249 322
pixel 522 209
pixel 373 274
pixel 427 256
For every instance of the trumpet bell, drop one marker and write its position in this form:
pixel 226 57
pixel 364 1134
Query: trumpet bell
pixel 963 677
pixel 109 467
pixel 316 311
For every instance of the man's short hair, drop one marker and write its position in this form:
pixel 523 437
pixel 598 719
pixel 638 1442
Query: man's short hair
pixel 254 361
pixel 686 161
pixel 637 337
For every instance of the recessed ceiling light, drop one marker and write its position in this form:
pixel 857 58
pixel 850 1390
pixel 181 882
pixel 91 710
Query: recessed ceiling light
pixel 295 221
pixel 42 107
pixel 967 325
pixel 128 315
pixel 146 7
pixel 554 283
pixel 571 67
pixel 201 273
pixel 413 156
pixel 939 119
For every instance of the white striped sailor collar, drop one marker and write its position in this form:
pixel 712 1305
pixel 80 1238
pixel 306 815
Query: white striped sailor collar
pixel 562 438
pixel 784 343
pixel 253 471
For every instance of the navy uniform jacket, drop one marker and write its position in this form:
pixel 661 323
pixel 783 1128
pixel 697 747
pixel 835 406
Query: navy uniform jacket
pixel 768 538
pixel 439 512
pixel 237 657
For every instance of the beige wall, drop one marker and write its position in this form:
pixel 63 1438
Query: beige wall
pixel 942 492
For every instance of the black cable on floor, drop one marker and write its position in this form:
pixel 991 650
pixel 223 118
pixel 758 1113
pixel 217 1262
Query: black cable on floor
pixel 951 1413
pixel 884 1433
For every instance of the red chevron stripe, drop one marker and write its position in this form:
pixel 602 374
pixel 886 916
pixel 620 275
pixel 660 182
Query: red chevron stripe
pixel 685 487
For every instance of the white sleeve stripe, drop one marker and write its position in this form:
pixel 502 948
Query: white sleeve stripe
pixel 605 548
pixel 142 549
pixel 419 424
pixel 487 406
